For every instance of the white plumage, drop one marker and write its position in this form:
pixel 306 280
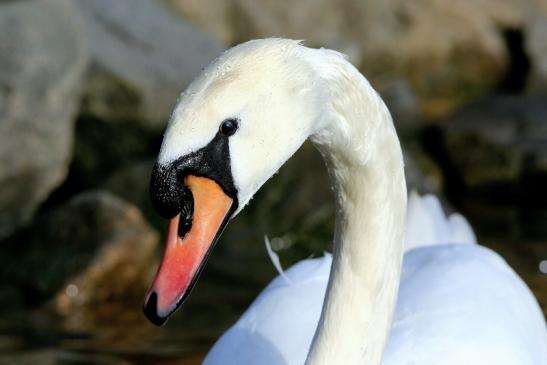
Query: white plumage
pixel 458 303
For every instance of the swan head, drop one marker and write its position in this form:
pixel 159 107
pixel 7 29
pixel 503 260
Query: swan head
pixel 231 130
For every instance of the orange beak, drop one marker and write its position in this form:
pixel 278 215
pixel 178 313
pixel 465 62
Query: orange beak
pixel 185 256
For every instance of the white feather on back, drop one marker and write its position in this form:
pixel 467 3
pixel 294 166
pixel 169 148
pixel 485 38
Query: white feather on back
pixel 427 224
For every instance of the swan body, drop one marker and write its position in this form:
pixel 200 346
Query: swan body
pixel 233 128
pixel 458 303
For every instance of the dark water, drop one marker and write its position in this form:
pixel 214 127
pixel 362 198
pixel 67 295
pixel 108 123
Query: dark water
pixel 121 335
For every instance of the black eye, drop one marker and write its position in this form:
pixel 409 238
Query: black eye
pixel 229 127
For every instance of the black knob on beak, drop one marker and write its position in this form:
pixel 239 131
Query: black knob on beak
pixel 168 193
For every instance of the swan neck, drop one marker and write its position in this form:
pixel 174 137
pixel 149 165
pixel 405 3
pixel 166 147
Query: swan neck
pixel 363 154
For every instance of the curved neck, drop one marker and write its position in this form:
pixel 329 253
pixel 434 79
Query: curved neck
pixel 363 154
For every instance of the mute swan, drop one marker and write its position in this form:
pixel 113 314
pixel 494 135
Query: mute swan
pixel 232 129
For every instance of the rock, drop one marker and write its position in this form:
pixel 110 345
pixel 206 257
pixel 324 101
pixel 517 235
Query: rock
pixel 498 140
pixel 42 61
pixel 109 98
pixel 536 47
pixel 493 153
pixel 212 16
pixel 153 52
pixel 123 248
pixel 96 249
pixel 448 52
pixel 132 183
pixel 103 147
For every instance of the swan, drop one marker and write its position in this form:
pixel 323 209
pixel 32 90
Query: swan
pixel 451 301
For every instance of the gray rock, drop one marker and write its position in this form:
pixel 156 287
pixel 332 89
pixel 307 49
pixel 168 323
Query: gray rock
pixel 42 61
pixel 110 99
pixel 96 248
pixel 536 48
pixel 117 246
pixel 141 43
pixel 498 140
pixel 131 182
pixel 449 52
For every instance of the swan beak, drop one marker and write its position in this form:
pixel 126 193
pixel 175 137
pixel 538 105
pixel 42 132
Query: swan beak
pixel 185 256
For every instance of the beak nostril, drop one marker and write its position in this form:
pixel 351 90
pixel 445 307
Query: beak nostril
pixel 186 211
pixel 185 220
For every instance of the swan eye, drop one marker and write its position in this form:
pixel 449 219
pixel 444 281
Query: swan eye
pixel 229 127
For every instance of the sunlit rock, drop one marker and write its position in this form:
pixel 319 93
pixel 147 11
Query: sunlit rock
pixel 117 246
pixel 94 251
pixel 448 51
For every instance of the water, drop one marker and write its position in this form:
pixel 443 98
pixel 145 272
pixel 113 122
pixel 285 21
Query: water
pixel 119 334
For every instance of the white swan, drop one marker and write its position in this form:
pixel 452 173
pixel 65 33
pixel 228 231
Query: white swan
pixel 236 124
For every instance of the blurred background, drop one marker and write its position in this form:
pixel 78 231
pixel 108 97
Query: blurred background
pixel 86 89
